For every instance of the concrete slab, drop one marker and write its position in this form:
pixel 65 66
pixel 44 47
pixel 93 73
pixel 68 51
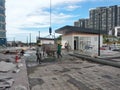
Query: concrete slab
pixel 70 73
pixel 21 78
pixel 6 66
pixel 73 74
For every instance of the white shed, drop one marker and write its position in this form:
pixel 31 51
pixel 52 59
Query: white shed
pixel 46 40
pixel 80 38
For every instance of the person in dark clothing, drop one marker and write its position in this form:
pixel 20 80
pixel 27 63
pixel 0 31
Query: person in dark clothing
pixel 22 52
pixel 59 50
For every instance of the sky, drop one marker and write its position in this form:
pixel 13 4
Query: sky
pixel 25 18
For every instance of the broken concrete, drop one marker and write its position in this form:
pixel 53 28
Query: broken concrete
pixel 11 72
pixel 20 87
pixel 6 82
pixel 7 58
pixel 6 66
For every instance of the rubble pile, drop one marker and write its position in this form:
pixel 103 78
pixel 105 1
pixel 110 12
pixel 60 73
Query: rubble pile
pixel 8 68
pixel 6 82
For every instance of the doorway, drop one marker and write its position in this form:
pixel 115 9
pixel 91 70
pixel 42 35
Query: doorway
pixel 75 43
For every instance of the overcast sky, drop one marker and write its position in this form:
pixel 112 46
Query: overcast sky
pixel 31 16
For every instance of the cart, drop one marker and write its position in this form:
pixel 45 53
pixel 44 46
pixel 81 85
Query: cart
pixel 50 49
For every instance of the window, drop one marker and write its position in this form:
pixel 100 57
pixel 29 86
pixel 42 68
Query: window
pixel 2 19
pixel 2 11
pixel 2 34
pixel 2 26
pixel 2 3
pixel 95 38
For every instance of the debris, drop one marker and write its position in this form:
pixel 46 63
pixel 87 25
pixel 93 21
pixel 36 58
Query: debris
pixel 6 52
pixel 3 86
pixel 10 82
pixel 16 70
pixel 5 58
pixel 19 65
pixel 9 52
pixel 6 66
pixel 94 55
pixel 20 87
pixel 6 82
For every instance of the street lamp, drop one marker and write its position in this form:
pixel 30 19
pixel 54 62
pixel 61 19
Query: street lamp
pixel 99 32
pixel 99 37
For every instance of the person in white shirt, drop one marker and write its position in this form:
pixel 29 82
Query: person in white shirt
pixel 39 52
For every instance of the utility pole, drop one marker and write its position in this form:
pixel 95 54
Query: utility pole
pixel 30 40
pixel 27 40
pixel 101 12
pixel 99 29
pixel 54 38
pixel 99 36
pixel 39 34
pixel 39 38
pixel 14 41
pixel 50 28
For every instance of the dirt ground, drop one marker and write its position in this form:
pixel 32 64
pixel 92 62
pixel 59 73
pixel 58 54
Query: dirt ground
pixel 71 73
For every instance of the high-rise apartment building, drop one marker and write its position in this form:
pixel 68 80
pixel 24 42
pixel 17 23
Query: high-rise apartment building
pixel 118 16
pixel 112 17
pixel 76 23
pixel 2 23
pixel 103 18
pixel 98 18
pixel 83 23
pixel 92 15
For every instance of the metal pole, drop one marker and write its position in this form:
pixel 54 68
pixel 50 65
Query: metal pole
pixel 39 39
pixel 50 28
pixel 39 34
pixel 30 40
pixel 54 38
pixel 50 13
pixel 14 41
pixel 99 37
pixel 27 40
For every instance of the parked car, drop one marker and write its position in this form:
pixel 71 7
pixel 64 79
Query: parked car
pixel 104 47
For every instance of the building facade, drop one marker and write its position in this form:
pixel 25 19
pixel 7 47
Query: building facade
pixel 2 23
pixel 103 18
pixel 45 40
pixel 118 16
pixel 83 23
pixel 98 18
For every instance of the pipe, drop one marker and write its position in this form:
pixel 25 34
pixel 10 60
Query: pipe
pixel 97 60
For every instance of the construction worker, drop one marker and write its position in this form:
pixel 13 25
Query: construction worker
pixel 59 50
pixel 22 52
pixel 39 52
pixel 66 46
